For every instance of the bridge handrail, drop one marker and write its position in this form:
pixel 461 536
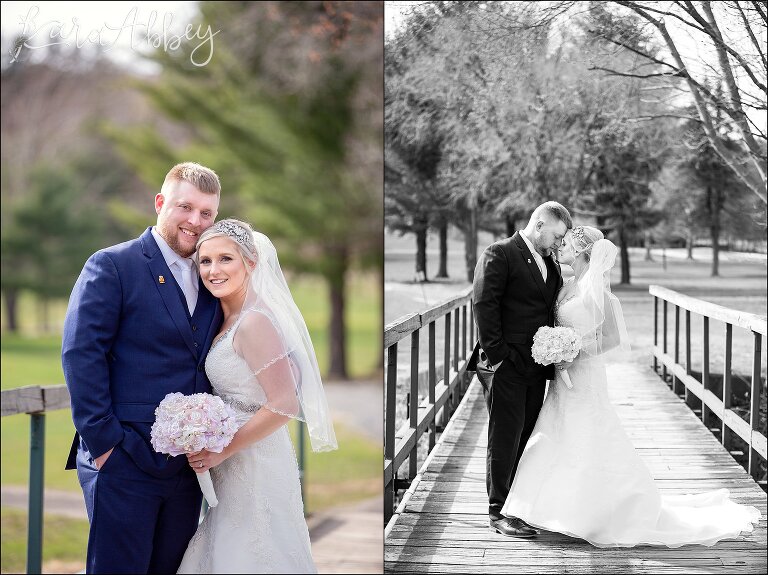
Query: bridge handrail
pixel 36 401
pixel 679 377
pixel 443 396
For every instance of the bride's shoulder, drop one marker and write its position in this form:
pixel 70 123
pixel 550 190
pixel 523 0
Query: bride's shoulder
pixel 255 322
pixel 567 291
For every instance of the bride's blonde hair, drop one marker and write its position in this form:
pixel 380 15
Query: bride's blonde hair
pixel 583 238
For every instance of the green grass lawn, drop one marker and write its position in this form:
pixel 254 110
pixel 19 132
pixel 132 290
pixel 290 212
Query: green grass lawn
pixel 64 542
pixel 30 363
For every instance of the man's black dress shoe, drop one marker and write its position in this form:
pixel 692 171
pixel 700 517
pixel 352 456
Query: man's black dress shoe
pixel 512 527
pixel 525 523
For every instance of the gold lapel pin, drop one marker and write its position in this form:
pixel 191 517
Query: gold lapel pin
pixel 161 279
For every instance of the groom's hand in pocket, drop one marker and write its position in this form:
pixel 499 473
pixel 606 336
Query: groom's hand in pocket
pixel 102 459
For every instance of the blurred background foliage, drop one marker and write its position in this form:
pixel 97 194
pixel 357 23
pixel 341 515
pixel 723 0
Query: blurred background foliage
pixel 287 112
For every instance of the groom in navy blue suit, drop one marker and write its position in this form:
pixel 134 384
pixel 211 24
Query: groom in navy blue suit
pixel 138 326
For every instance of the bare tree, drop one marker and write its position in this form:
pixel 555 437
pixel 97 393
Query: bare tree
pixel 735 33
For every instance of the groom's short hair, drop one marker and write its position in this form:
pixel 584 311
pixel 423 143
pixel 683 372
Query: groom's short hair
pixel 204 179
pixel 555 210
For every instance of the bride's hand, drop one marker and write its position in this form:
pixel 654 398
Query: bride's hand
pixel 204 460
pixel 563 365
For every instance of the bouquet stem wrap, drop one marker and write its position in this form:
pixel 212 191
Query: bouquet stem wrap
pixel 190 423
pixel 206 486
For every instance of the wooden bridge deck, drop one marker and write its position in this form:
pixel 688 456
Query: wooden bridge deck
pixel 444 526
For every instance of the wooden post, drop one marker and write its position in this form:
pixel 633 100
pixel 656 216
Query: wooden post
pixel 36 478
pixel 456 341
pixel 706 413
pixel 464 331
pixel 446 410
pixel 688 395
pixel 754 411
pixel 677 385
pixel 655 331
pixel 664 341
pixel 413 405
pixel 389 433
pixel 302 457
pixel 726 435
pixel 464 379
pixel 432 377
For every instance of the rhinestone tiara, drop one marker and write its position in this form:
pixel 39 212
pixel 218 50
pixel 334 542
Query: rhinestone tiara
pixel 238 233
pixel 578 235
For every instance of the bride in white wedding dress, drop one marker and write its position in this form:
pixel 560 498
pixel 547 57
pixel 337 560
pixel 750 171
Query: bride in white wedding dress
pixel 579 474
pixel 263 365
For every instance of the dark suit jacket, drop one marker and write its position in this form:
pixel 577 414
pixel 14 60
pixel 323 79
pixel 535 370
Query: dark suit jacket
pixel 128 341
pixel 511 302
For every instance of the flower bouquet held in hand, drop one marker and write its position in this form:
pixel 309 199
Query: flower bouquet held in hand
pixel 189 423
pixel 556 345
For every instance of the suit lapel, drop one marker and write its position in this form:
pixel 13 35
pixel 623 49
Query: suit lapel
pixel 533 267
pixel 165 283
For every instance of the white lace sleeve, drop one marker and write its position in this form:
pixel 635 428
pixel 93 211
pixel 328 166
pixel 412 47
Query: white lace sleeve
pixel 259 343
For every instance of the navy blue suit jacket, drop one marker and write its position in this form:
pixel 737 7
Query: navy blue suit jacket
pixel 128 341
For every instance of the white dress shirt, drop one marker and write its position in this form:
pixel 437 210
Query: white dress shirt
pixel 536 256
pixel 183 270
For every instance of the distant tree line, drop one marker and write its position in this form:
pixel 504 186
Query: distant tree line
pixel 492 108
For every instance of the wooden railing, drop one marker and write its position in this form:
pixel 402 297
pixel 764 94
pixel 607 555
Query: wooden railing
pixel 36 401
pixel 679 376
pixel 443 396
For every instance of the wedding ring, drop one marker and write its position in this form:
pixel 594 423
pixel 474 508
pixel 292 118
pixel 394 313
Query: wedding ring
pixel 201 465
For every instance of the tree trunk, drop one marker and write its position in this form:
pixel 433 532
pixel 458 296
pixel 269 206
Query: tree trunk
pixel 10 295
pixel 470 244
pixel 715 205
pixel 442 272
pixel 714 233
pixel 337 290
pixel 624 256
pixel 648 256
pixel 44 314
pixel 510 225
pixel 421 254
pixel 689 245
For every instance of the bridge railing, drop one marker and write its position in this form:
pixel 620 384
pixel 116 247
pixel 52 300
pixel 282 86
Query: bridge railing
pixel 36 401
pixel 443 395
pixel 679 375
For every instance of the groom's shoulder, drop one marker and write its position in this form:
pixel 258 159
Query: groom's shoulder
pixel 505 245
pixel 123 251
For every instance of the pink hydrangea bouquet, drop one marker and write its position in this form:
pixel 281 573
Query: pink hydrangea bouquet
pixel 556 345
pixel 189 423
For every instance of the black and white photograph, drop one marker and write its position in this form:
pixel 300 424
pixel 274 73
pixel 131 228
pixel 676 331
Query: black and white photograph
pixel 575 287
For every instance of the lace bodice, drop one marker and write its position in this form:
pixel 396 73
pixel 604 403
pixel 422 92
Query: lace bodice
pixel 231 377
pixel 572 313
